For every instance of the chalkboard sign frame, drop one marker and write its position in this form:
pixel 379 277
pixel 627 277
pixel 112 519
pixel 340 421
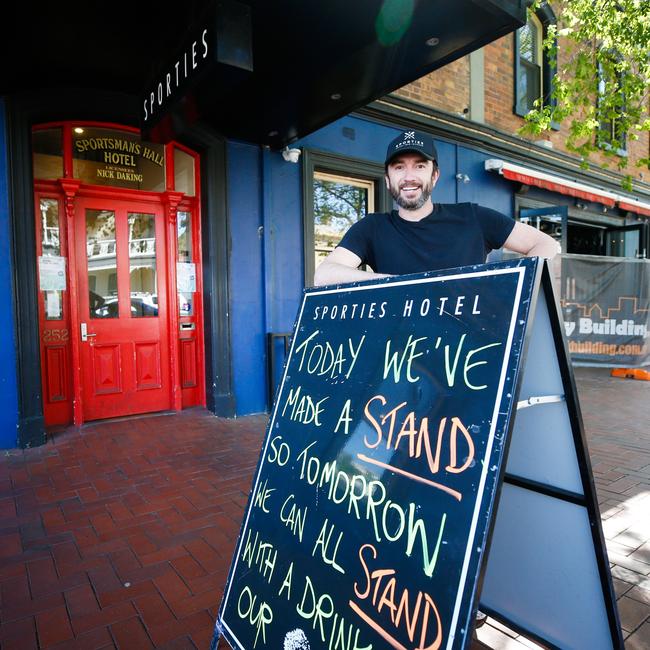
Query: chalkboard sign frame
pixel 588 499
pixel 539 277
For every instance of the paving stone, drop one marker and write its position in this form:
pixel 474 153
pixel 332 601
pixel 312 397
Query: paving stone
pixel 640 639
pixel 640 594
pixel 53 627
pixel 621 587
pixel 632 613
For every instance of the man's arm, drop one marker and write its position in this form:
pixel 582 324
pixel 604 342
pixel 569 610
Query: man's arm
pixel 342 266
pixel 531 242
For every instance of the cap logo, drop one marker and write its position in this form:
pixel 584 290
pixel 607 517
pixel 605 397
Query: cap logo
pixel 409 141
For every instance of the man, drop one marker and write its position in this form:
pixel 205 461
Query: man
pixel 420 235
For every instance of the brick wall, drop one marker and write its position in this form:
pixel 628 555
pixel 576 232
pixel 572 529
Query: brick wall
pixel 447 89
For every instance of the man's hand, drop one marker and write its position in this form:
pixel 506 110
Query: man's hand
pixel 342 266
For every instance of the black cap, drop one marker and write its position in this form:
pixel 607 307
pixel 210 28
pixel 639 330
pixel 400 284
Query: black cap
pixel 412 142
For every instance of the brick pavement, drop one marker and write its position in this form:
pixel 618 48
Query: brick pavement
pixel 120 535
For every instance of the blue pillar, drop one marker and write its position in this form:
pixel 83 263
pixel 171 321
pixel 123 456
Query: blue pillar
pixel 8 387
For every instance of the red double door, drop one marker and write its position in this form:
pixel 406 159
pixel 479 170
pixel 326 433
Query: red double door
pixel 123 310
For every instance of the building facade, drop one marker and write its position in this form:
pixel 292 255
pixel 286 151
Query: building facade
pixel 152 271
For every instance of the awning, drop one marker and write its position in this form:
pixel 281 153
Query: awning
pixel 263 71
pixel 529 176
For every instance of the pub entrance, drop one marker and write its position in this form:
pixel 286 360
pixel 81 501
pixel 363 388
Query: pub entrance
pixel 119 272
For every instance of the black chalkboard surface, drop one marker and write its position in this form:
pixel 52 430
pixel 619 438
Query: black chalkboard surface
pixel 371 507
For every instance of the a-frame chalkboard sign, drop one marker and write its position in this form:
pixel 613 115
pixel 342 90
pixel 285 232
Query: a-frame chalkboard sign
pixel 425 451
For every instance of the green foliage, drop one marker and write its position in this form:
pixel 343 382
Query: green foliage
pixel 338 205
pixel 603 76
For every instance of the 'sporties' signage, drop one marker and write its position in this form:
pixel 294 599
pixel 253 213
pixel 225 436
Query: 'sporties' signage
pixel 222 37
pixel 373 499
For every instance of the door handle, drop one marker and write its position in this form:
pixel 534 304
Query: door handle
pixel 84 332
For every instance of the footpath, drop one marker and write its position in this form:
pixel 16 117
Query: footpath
pixel 120 534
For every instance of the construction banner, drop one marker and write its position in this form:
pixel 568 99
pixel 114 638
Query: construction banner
pixel 605 306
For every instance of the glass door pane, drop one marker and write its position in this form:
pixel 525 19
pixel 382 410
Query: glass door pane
pixel 624 242
pixel 186 270
pixel 102 264
pixel 51 247
pixel 142 265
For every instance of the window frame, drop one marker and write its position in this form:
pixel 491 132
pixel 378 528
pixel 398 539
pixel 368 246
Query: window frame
pixel 545 17
pixel 608 125
pixel 330 163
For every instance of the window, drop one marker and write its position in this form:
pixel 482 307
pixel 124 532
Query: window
pixel 534 66
pixel 339 201
pixel 610 135
pixel 117 158
pixel 337 193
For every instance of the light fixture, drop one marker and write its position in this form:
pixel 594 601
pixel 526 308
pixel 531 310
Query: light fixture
pixel 432 42
pixel 335 97
pixel 291 155
pixel 78 129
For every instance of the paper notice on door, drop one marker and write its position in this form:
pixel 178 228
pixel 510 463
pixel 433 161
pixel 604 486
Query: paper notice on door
pixel 51 273
pixel 53 305
pixel 185 277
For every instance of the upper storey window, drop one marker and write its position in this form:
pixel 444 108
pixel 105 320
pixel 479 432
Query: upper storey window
pixel 534 66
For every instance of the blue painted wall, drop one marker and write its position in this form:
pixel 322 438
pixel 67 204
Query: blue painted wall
pixel 267 275
pixel 247 299
pixel 8 388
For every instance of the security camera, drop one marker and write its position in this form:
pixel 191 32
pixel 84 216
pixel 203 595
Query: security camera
pixel 291 155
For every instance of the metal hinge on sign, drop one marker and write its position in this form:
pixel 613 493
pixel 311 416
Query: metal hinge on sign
pixel 542 399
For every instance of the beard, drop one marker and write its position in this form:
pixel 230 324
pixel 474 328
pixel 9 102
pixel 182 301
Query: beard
pixel 411 204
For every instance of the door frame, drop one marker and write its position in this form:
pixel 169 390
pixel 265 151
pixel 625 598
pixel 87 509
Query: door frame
pixel 167 202
pixel 125 329
pixel 27 111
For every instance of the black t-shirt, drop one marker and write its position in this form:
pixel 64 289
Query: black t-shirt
pixel 454 234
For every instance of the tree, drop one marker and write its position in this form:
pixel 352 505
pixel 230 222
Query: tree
pixel 602 79
pixel 338 205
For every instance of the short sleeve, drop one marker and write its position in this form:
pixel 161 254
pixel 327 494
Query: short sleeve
pixel 496 226
pixel 358 238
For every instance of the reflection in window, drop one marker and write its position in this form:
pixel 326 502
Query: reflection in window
pixel 51 247
pixel 529 82
pixel 184 238
pixel 142 265
pixel 339 202
pixel 50 242
pixel 535 66
pixel 184 228
pixel 102 264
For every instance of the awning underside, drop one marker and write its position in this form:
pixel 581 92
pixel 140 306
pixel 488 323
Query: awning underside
pixel 536 178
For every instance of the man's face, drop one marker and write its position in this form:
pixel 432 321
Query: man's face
pixel 410 179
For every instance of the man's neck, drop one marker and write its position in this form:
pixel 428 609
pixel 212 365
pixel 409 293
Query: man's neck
pixel 416 215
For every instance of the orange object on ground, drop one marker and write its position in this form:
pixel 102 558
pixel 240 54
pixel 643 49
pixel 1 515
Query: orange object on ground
pixel 632 373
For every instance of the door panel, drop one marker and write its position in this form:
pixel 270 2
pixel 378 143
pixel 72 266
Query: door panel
pixel 107 372
pixel 147 365
pixel 122 291
pixel 625 241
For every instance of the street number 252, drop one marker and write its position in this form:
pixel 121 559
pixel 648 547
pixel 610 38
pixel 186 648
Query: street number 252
pixel 55 335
